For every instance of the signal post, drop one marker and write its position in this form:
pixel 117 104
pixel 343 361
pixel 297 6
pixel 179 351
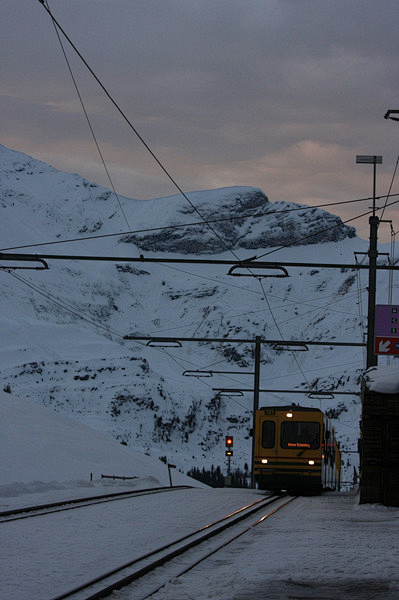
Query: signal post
pixel 229 442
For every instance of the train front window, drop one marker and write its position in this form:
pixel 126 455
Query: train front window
pixel 268 434
pixel 300 434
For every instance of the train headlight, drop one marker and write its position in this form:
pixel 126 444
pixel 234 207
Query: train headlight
pixel 311 462
pixel 264 461
pixel 289 415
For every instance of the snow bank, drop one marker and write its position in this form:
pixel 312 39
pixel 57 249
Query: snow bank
pixel 42 450
pixel 384 380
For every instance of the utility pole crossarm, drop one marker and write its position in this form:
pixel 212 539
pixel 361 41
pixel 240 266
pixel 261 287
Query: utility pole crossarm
pixel 287 343
pixel 391 112
pixel 192 261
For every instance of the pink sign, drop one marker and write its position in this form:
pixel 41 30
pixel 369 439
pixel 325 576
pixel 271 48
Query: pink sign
pixel 386 320
pixel 386 329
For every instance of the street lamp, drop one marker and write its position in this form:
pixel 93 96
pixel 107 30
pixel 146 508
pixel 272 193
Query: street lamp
pixel 373 254
pixel 370 160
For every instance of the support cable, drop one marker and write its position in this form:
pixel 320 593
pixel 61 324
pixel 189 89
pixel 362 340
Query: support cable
pixel 89 122
pixel 68 308
pixel 56 24
pixel 280 333
pixel 157 160
pixel 76 313
pixel 134 129
pixel 390 187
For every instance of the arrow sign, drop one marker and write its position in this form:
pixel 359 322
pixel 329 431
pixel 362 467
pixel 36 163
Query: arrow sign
pixel 386 345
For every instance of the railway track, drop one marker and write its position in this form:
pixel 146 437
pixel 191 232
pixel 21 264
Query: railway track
pixel 63 505
pixel 200 543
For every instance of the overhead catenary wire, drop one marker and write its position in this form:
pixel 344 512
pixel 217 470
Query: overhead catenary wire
pixel 85 112
pixel 161 165
pixel 165 170
pixel 65 306
pixel 208 278
pixel 390 187
pixel 319 309
pixel 204 383
pixel 68 308
pixel 72 310
pixel 280 333
pixel 139 136
pixel 179 361
pixel 238 286
pixel 134 129
pixel 79 314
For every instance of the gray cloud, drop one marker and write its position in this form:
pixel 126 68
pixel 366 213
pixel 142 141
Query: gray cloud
pixel 277 94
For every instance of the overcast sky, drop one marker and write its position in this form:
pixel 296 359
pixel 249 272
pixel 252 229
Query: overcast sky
pixel 276 94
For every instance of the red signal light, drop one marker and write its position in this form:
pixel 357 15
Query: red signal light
pixel 229 441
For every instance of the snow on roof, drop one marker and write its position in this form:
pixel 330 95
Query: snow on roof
pixel 383 380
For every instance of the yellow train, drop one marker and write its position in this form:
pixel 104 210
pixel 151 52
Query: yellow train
pixel 295 450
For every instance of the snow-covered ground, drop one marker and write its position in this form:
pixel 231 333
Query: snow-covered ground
pixel 321 548
pixel 327 547
pixel 45 453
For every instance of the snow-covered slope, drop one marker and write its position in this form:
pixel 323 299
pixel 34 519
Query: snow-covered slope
pixel 47 453
pixel 63 329
pixel 44 201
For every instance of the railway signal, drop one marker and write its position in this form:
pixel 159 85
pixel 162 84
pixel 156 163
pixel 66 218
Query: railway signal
pixel 229 441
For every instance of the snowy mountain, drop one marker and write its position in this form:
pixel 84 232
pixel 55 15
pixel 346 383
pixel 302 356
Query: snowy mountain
pixel 63 328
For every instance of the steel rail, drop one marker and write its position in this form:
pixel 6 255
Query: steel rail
pixel 26 512
pixel 171 550
pixel 223 545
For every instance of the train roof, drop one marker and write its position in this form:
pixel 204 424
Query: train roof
pixel 292 407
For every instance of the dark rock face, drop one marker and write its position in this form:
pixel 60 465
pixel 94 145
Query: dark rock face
pixel 242 219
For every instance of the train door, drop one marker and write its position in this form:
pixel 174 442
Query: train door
pixel 268 437
pixel 265 448
pixel 328 455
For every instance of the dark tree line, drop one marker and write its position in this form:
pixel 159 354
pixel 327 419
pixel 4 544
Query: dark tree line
pixel 215 478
